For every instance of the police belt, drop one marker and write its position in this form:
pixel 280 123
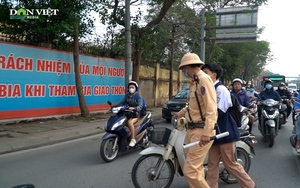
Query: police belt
pixel 191 125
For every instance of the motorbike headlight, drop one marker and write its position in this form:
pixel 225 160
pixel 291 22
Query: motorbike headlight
pixel 165 106
pixel 117 124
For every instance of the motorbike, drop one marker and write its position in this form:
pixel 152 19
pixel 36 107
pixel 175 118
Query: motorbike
pixel 158 164
pixel 269 120
pixel 283 111
pixel 117 136
pixel 293 138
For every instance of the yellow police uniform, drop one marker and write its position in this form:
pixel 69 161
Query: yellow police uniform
pixel 193 168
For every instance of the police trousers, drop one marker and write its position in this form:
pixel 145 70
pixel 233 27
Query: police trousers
pixel 226 153
pixel 193 167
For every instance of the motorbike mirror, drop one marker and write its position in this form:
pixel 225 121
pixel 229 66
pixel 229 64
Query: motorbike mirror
pixel 108 102
pixel 255 94
pixel 24 186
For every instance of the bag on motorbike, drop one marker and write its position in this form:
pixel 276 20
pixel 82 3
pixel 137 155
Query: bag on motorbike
pixel 144 108
pixel 234 110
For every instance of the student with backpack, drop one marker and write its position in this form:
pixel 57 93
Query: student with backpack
pixel 137 104
pixel 224 148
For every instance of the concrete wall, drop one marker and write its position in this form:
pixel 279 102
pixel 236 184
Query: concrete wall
pixel 154 84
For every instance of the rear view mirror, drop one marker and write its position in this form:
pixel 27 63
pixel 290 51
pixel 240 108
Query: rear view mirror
pixel 108 102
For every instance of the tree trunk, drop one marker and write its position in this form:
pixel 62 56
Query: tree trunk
pixel 137 59
pixel 171 63
pixel 82 104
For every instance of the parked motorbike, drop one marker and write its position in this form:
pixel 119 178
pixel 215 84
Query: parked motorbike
pixel 117 136
pixel 158 164
pixel 269 120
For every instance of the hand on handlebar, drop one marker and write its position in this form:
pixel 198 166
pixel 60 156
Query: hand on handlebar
pixel 131 108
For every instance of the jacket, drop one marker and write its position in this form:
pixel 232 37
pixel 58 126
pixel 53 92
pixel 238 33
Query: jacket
pixel 269 94
pixel 208 104
pixel 243 98
pixel 131 102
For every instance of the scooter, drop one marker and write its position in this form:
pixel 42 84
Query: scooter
pixel 269 120
pixel 283 112
pixel 117 136
pixel 158 164
pixel 293 138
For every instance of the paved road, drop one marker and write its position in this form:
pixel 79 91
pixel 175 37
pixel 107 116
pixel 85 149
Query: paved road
pixel 77 164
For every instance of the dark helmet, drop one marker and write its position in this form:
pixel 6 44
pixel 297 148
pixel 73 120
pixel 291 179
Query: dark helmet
pixel 282 84
pixel 135 84
pixel 251 86
pixel 268 82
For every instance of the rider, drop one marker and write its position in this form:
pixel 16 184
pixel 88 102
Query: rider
pixel 251 93
pixel 267 93
pixel 297 123
pixel 244 100
pixel 283 92
pixel 135 106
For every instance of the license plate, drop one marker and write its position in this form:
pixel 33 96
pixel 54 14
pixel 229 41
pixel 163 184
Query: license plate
pixel 173 113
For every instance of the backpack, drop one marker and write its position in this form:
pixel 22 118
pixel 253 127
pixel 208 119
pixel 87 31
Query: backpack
pixel 234 110
pixel 144 108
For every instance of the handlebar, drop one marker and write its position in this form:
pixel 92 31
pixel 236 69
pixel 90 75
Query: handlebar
pixel 218 136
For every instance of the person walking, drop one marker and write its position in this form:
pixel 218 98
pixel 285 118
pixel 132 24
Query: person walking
pixel 224 148
pixel 201 114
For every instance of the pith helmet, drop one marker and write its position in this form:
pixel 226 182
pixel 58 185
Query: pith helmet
pixel 189 59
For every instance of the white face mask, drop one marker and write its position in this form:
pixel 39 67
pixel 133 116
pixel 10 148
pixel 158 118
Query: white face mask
pixel 281 88
pixel 131 90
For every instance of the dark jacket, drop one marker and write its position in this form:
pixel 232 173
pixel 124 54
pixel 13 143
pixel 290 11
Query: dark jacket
pixel 243 98
pixel 131 102
pixel 269 94
pixel 283 92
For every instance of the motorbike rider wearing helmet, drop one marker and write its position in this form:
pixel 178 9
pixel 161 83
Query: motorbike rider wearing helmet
pixel 267 93
pixel 201 118
pixel 135 106
pixel 243 98
pixel 283 92
pixel 224 148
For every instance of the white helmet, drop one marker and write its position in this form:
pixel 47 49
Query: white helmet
pixel 135 84
pixel 237 80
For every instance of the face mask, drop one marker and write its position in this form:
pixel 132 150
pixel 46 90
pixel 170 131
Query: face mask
pixel 281 88
pixel 131 90
pixel 268 86
pixel 251 90
pixel 185 74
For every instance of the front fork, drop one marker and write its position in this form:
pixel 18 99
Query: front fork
pixel 161 162
pixel 115 144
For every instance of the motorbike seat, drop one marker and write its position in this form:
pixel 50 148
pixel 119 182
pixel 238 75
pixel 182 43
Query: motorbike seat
pixel 141 120
pixel 243 132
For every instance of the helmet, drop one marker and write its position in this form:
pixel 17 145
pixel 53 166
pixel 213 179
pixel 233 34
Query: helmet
pixel 189 59
pixel 251 86
pixel 237 80
pixel 135 84
pixel 282 84
pixel 268 82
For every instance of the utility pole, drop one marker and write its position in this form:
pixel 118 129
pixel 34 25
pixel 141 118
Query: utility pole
pixel 128 62
pixel 202 44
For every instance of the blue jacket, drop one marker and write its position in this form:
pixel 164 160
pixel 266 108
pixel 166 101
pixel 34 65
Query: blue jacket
pixel 243 98
pixel 226 123
pixel 269 94
pixel 297 103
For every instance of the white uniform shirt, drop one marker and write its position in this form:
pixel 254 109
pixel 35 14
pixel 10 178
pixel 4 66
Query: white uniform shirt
pixel 223 97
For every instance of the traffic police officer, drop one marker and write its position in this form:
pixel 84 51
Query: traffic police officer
pixel 201 114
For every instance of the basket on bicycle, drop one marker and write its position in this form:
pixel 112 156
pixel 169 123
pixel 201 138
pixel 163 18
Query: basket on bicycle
pixel 160 135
